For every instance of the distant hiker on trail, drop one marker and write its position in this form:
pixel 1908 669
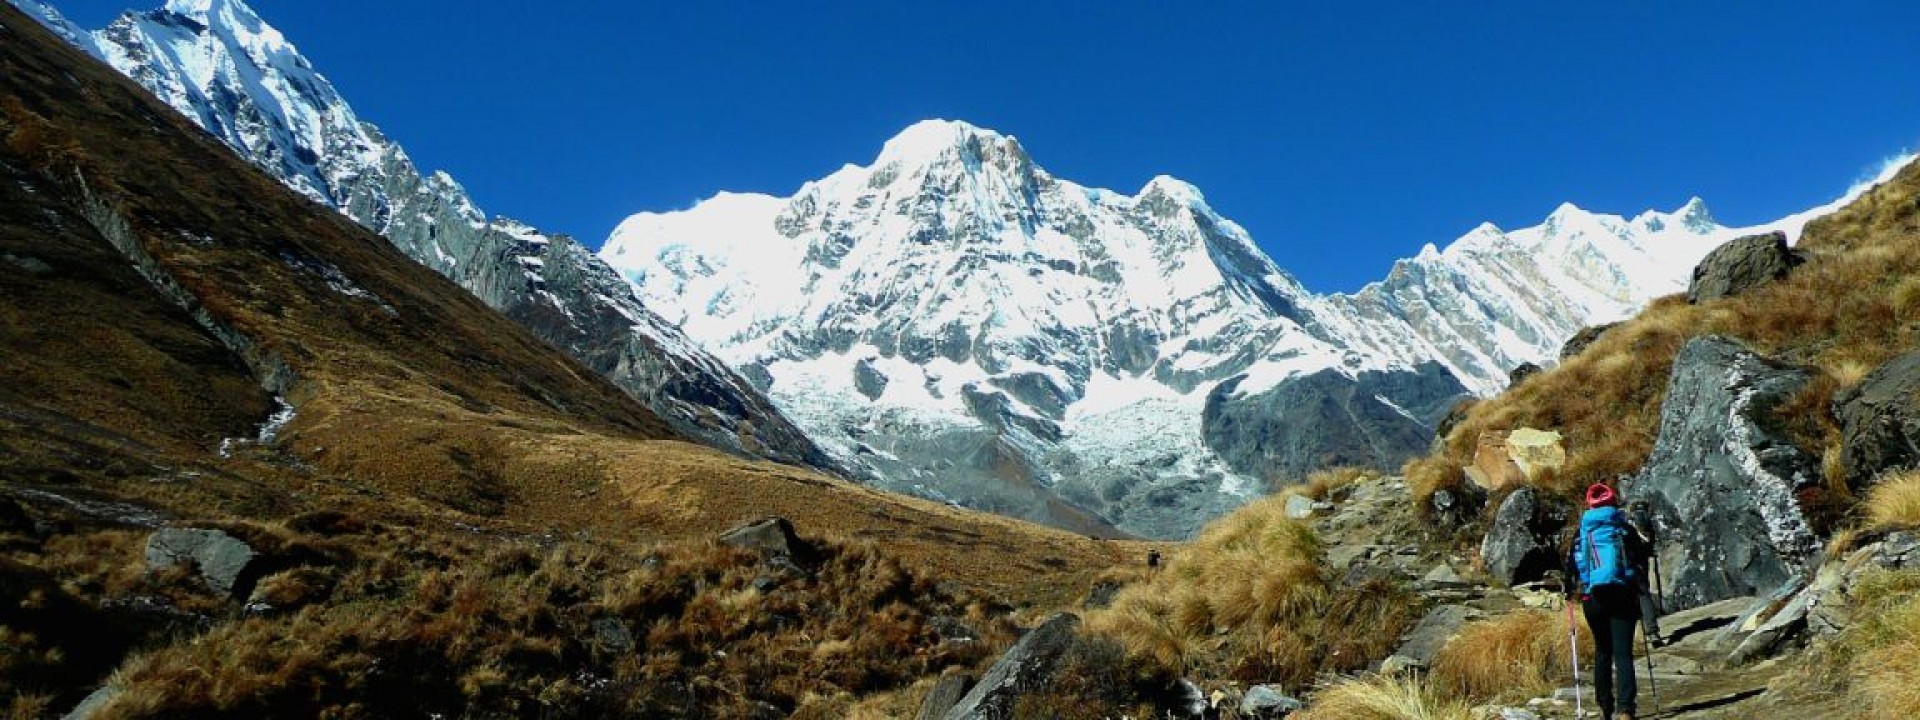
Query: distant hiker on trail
pixel 1153 559
pixel 1606 554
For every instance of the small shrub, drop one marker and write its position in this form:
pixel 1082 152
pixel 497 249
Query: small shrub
pixel 1379 697
pixel 1894 503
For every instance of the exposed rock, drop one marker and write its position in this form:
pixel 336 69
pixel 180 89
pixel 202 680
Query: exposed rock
pixel 1300 507
pixel 1267 701
pixel 1536 452
pixel 1582 339
pixel 1880 421
pixel 1742 265
pixel 1419 647
pixel 612 635
pixel 222 559
pixel 1328 419
pixel 1688 623
pixel 93 704
pixel 1722 481
pixel 1831 610
pixel 1447 422
pixel 1493 467
pixel 868 380
pixel 1519 547
pixel 774 539
pixel 1027 666
pixel 1521 372
pixel 952 629
pixel 946 692
pixel 1442 575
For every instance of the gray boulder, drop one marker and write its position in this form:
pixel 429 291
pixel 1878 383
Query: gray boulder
pixel 1421 645
pixel 1880 421
pixel 1027 666
pixel 946 692
pixel 1741 265
pixel 1582 339
pixel 223 560
pixel 93 703
pixel 611 634
pixel 1722 480
pixel 1519 547
pixel 1267 701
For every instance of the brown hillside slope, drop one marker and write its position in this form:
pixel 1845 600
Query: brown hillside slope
pixel 452 496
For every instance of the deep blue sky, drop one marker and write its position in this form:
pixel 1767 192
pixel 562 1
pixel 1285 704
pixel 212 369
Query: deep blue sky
pixel 1341 134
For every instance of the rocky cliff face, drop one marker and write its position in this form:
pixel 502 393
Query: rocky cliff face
pixel 222 66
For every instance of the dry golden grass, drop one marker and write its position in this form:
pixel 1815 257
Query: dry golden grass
pixel 1249 599
pixel 1518 655
pixel 1894 502
pixel 1854 305
pixel 1379 697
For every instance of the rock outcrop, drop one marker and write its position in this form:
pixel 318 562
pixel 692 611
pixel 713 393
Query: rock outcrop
pixel 1742 265
pixel 775 540
pixel 1880 421
pixel 1519 548
pixel 1027 666
pixel 1722 481
pixel 1521 372
pixel 946 693
pixel 221 559
pixel 1580 340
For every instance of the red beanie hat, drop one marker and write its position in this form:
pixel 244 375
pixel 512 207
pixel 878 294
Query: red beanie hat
pixel 1599 494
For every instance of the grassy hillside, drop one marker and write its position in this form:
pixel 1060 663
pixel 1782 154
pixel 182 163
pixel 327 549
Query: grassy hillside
pixel 453 509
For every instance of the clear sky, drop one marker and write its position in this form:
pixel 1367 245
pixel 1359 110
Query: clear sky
pixel 1342 135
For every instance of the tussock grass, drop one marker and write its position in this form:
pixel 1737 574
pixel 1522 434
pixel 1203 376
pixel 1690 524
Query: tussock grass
pixel 1875 662
pixel 1250 599
pixel 1894 502
pixel 1321 484
pixel 1520 654
pixel 1379 697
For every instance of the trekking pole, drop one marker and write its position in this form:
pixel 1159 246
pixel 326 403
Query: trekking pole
pixel 1573 642
pixel 1653 686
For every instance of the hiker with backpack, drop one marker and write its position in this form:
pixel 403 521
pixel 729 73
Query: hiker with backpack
pixel 1608 557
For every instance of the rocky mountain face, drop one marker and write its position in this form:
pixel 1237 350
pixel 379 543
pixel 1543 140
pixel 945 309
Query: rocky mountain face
pixel 961 324
pixel 219 64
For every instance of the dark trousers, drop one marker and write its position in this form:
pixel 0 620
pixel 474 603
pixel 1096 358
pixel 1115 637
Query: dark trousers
pixel 1612 611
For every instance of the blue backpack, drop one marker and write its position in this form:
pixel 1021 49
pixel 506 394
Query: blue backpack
pixel 1600 553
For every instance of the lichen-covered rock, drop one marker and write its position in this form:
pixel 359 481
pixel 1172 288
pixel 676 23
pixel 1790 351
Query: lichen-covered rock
pixel 1519 547
pixel 1421 645
pixel 1521 372
pixel 222 559
pixel 1741 265
pixel 1264 702
pixel 946 692
pixel 1026 667
pixel 1722 480
pixel 1880 421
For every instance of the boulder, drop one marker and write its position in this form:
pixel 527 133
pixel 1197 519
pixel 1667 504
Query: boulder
pixel 1582 339
pixel 1722 481
pixel 1300 507
pixel 1493 468
pixel 1880 421
pixel 223 560
pixel 1519 547
pixel 1832 610
pixel 1026 667
pixel 1420 646
pixel 1267 701
pixel 1454 507
pixel 1536 452
pixel 775 540
pixel 946 692
pixel 1101 594
pixel 1521 372
pixel 1679 626
pixel 1741 265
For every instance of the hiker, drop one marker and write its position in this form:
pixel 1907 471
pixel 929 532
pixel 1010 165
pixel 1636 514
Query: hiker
pixel 1153 559
pixel 1605 554
pixel 1640 520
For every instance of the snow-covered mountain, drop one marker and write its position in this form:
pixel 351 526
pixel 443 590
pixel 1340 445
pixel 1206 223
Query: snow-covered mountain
pixel 962 324
pixel 221 65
